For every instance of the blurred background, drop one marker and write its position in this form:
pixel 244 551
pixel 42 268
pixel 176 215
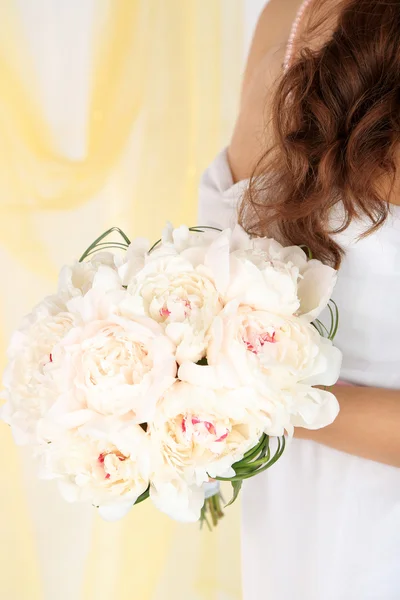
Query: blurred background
pixel 109 112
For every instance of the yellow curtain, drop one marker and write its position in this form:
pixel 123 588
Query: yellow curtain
pixel 158 102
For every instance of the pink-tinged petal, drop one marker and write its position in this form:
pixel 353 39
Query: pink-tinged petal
pixel 209 426
pixel 267 338
pixel 258 341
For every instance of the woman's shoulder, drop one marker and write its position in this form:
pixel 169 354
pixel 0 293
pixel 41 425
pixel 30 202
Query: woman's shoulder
pixel 224 182
pixel 263 69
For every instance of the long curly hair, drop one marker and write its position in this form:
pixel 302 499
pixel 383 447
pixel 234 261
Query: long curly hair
pixel 336 129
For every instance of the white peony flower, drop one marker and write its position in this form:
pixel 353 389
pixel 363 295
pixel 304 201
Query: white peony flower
pixel 190 245
pixel 258 348
pixel 179 242
pixel 77 279
pixel 247 274
pixel 262 284
pixel 263 274
pixel 28 389
pixel 174 284
pixel 181 298
pixel 112 362
pixel 105 462
pixel 198 433
pixel 316 282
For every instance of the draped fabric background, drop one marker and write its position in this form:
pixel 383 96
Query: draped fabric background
pixel 109 111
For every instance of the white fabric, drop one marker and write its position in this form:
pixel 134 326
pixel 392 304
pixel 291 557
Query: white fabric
pixel 321 524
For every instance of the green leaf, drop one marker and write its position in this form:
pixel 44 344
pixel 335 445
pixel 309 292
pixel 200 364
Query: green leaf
pixel 335 318
pixel 256 449
pixel 202 228
pixel 101 237
pixel 320 327
pixel 203 362
pixel 245 469
pixel 109 246
pixel 334 325
pixel 143 496
pixel 237 486
pixel 307 250
pixel 154 246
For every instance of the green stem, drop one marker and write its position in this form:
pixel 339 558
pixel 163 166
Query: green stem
pixel 212 507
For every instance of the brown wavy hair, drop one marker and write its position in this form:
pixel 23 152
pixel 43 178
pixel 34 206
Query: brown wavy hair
pixel 336 129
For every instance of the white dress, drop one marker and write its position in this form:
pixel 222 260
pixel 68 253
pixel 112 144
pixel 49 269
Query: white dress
pixel 321 524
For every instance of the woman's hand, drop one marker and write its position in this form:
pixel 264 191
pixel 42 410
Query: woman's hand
pixel 368 424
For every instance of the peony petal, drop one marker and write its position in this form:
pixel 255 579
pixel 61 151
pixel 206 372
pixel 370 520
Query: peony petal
pixel 315 289
pixel 315 408
pixel 178 500
pixel 217 261
pixel 134 260
pixel 167 233
pixel 327 365
pixel 240 239
pixel 106 280
pixel 211 489
pixel 181 236
pixel 115 512
pixel 272 248
pixel 211 376
pixel 294 255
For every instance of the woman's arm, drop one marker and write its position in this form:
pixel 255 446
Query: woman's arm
pixel 368 424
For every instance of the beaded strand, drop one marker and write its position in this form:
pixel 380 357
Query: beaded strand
pixel 293 34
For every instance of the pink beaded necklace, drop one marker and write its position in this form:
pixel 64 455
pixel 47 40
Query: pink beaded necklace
pixel 293 34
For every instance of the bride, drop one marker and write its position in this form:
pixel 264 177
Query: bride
pixel 324 524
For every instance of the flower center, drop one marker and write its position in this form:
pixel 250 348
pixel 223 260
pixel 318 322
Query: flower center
pixel 109 462
pixel 114 355
pixel 195 427
pixel 178 307
pixel 256 342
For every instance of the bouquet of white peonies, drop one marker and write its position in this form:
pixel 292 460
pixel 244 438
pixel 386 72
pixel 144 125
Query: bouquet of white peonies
pixel 156 372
